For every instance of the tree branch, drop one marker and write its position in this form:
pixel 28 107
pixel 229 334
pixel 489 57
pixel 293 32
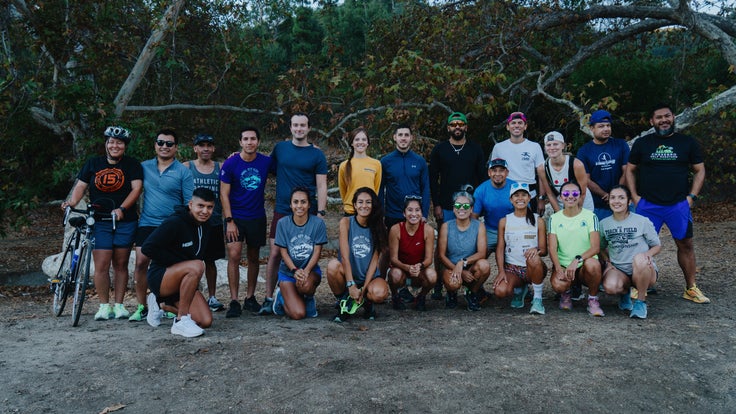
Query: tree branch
pixel 175 107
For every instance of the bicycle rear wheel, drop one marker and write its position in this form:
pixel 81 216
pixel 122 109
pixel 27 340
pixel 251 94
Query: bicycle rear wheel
pixel 62 281
pixel 81 282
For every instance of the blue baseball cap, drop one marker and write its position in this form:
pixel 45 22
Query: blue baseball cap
pixel 599 116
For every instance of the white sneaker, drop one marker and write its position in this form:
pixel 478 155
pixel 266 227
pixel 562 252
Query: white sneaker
pixel 154 311
pixel 186 327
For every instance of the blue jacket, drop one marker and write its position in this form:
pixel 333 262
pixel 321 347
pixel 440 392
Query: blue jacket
pixel 403 174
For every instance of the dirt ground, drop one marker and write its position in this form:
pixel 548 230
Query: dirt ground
pixel 681 359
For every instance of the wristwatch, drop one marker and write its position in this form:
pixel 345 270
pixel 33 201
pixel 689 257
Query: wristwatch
pixel 350 283
pixel 579 258
pixel 228 219
pixel 693 196
pixel 465 262
pixel 322 213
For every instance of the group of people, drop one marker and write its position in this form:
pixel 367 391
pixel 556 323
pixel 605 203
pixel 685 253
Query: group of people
pixel 196 212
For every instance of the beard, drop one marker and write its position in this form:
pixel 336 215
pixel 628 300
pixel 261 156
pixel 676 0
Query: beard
pixel 665 132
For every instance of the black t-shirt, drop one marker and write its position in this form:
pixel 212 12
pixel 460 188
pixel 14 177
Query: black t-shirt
pixel 450 167
pixel 109 184
pixel 663 165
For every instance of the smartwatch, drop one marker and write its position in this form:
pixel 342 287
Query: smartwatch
pixel 465 262
pixel 350 283
pixel 579 258
pixel 228 219
pixel 322 213
pixel 121 208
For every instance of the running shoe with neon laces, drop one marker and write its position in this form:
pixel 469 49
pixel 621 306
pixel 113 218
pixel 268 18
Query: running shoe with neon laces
pixel 251 304
pixel 537 306
pixel 169 315
pixel 405 295
pixel 311 306
pixel 694 294
pixel 154 311
pixel 104 313
pixel 214 304
pixel 278 303
pixel 234 310
pixel 624 302
pixel 594 308
pixel 566 300
pixel 186 327
pixel 140 313
pixel 639 310
pixel 120 311
pixel 518 300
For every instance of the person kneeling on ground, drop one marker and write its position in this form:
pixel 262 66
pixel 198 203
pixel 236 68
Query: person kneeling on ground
pixel 362 239
pixel 631 243
pixel 176 249
pixel 411 247
pixel 522 241
pixel 462 250
pixel 300 237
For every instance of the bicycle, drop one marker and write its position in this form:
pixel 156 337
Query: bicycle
pixel 74 268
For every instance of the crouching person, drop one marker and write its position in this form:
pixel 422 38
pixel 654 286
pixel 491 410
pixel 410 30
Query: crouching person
pixel 176 250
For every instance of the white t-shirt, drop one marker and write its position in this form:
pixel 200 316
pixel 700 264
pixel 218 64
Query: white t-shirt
pixel 522 159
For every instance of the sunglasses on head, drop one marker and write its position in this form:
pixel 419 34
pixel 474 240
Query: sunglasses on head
pixel 462 206
pixel 573 193
pixel 161 143
pixel 412 198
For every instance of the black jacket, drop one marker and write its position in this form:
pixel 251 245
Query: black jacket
pixel 177 239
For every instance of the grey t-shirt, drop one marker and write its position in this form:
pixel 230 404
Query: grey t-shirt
pixel 626 238
pixel 299 240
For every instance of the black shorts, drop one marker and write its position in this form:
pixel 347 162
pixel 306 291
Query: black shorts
pixel 142 233
pixel 155 276
pixel 215 245
pixel 252 232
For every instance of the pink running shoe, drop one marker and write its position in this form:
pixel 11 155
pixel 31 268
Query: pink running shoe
pixel 594 308
pixel 566 300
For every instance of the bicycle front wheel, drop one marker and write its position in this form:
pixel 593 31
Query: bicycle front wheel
pixel 81 282
pixel 62 282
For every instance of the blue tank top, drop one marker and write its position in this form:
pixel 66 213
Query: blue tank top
pixel 210 181
pixel 461 244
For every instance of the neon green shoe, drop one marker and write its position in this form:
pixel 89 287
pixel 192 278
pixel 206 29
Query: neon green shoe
pixel 120 311
pixel 104 313
pixel 140 314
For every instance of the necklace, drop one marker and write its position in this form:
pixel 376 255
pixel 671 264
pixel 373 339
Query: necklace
pixel 457 150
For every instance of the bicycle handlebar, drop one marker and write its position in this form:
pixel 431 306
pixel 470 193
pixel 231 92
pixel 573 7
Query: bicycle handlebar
pixel 89 213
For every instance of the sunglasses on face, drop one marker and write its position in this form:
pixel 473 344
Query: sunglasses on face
pixel 161 143
pixel 462 206
pixel 573 193
pixel 457 124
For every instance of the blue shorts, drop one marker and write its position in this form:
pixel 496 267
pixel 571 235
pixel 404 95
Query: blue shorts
pixel 491 240
pixel 122 237
pixel 677 217
pixel 285 277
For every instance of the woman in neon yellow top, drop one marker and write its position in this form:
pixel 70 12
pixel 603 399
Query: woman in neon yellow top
pixel 574 241
pixel 359 170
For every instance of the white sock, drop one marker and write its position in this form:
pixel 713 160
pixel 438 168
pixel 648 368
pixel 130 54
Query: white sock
pixel 537 290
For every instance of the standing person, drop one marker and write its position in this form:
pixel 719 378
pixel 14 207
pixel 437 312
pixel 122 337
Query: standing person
pixel 574 242
pixel 242 191
pixel 605 159
pixel 522 241
pixel 359 170
pixel 300 237
pixel 492 200
pixel 629 260
pixel 168 184
pixel 362 239
pixel 453 164
pixel 297 164
pixel 665 158
pixel 176 249
pixel 404 173
pixel 206 174
pixel 411 248
pixel 561 168
pixel 525 159
pixel 119 179
pixel 462 249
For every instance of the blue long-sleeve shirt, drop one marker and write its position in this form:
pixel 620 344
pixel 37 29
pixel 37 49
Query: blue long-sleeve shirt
pixel 403 174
